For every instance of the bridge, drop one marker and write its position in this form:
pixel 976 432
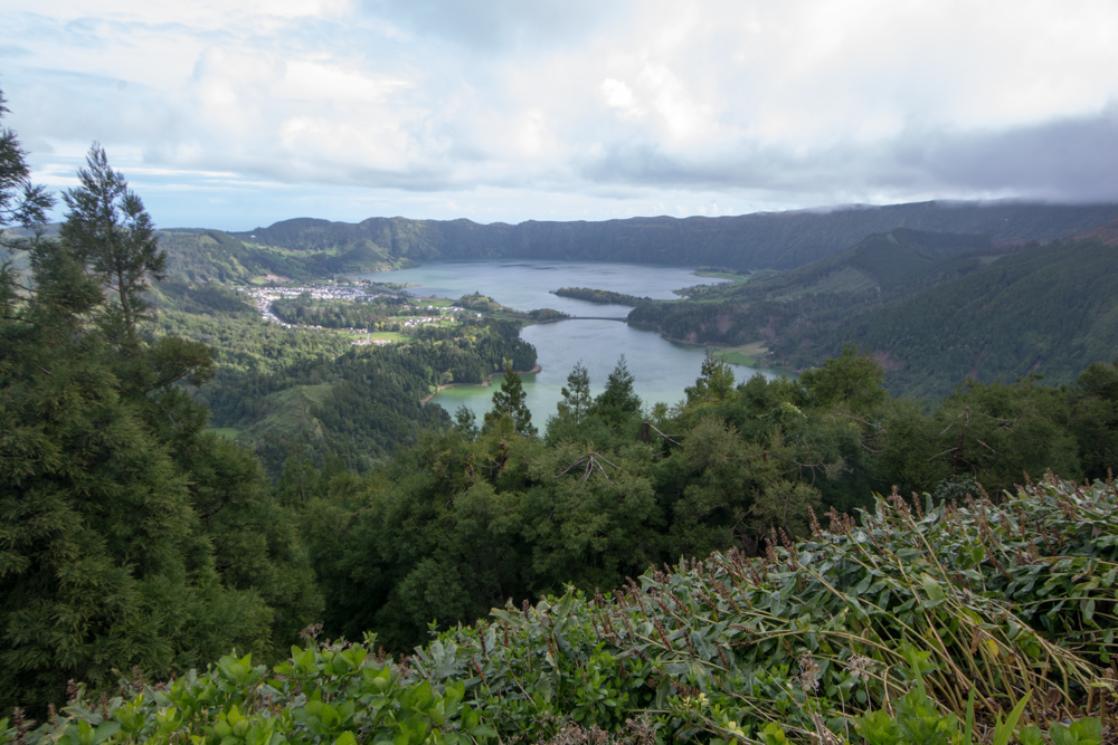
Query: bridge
pixel 594 318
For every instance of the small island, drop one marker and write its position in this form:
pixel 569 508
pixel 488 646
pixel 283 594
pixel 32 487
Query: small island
pixel 601 297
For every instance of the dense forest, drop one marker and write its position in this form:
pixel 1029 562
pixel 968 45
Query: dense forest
pixel 1006 312
pixel 362 404
pixel 139 541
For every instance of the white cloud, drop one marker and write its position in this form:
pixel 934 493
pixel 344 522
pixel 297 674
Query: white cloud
pixel 627 105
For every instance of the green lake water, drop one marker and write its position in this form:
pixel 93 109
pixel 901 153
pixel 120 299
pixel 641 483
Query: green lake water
pixel 661 369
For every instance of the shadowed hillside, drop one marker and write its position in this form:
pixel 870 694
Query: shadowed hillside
pixel 779 240
pixel 934 309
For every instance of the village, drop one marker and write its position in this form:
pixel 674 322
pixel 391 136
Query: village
pixel 409 316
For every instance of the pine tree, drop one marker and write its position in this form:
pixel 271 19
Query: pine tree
pixel 509 402
pixel 715 382
pixel 465 421
pixel 128 536
pixel 108 227
pixel 618 402
pixel 22 204
pixel 576 394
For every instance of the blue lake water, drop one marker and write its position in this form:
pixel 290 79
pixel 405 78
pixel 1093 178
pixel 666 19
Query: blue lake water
pixel 662 369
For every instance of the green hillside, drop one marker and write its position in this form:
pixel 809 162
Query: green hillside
pixel 1050 311
pixel 935 309
pixel 200 256
pixel 306 248
pixel 780 240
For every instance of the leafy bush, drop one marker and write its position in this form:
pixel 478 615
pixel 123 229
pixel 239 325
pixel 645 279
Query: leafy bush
pixel 954 624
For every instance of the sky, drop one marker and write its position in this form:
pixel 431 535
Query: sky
pixel 238 114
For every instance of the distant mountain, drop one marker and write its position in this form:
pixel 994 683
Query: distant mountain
pixel 776 240
pixel 883 264
pixel 935 309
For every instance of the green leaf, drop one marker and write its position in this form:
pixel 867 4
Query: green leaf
pixel 1003 731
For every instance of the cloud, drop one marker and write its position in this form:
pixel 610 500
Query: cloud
pixel 495 24
pixel 512 110
pixel 1070 159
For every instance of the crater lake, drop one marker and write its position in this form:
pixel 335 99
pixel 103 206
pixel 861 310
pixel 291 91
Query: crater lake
pixel 661 368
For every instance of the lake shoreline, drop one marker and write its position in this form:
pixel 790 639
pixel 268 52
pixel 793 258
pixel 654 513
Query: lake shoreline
pixel 596 335
pixel 536 369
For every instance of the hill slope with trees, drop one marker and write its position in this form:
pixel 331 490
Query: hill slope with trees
pixel 307 248
pixel 778 240
pixel 934 309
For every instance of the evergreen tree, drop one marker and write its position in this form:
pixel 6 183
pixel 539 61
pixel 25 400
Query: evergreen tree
pixel 509 402
pixel 1094 419
pixel 108 227
pixel 21 202
pixel 715 383
pixel 465 421
pixel 852 379
pixel 576 394
pixel 618 403
pixel 128 537
pixel 103 564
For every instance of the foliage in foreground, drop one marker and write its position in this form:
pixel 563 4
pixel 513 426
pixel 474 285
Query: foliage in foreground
pixel 464 520
pixel 128 535
pixel 952 624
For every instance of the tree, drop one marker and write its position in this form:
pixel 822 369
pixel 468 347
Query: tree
pixel 851 379
pixel 103 564
pixel 618 402
pixel 465 421
pixel 1094 418
pixel 21 204
pixel 576 394
pixel 108 228
pixel 715 382
pixel 128 537
pixel 509 402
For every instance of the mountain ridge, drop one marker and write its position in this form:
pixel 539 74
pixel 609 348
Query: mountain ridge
pixel 759 240
pixel 972 309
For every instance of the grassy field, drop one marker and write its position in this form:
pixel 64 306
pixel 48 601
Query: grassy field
pixel 750 355
pixel 393 337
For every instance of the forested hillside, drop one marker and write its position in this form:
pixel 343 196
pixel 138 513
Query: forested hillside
pixel 976 272
pixel 780 240
pixel 304 247
pixel 934 309
pixel 363 403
